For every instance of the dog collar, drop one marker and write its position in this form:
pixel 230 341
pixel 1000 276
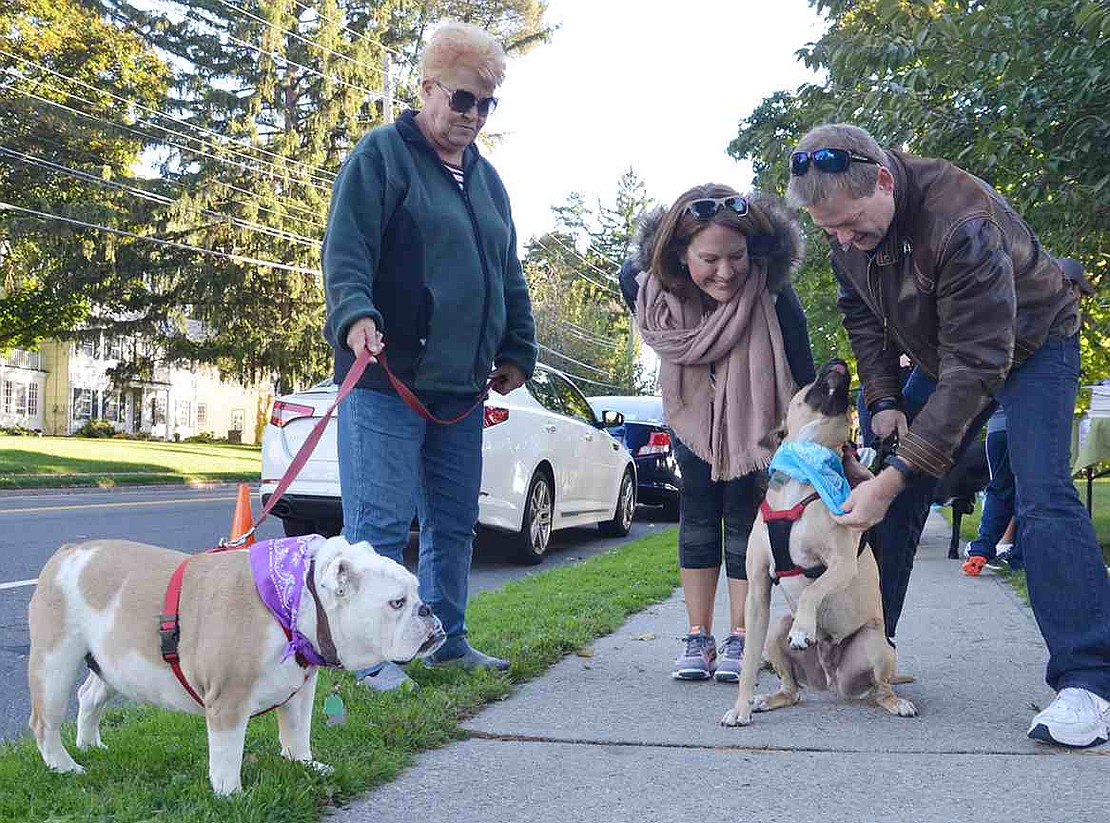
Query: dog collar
pixel 281 570
pixel 817 465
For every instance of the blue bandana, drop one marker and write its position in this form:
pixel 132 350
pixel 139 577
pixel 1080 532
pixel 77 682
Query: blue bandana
pixel 817 465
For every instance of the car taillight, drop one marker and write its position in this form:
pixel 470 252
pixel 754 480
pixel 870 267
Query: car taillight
pixel 658 443
pixel 284 412
pixel 494 415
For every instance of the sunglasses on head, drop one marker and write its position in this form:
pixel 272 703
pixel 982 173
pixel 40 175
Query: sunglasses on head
pixel 462 101
pixel 831 161
pixel 706 207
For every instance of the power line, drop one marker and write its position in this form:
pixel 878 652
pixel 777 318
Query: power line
pixel 571 359
pixel 238 258
pixel 227 161
pixel 360 35
pixel 158 198
pixel 315 172
pixel 603 286
pixel 302 38
pixel 580 379
pixel 586 335
pixel 578 254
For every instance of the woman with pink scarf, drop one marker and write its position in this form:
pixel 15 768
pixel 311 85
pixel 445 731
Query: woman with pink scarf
pixel 717 268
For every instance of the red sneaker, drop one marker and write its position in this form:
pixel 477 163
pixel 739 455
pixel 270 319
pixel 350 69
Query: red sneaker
pixel 973 565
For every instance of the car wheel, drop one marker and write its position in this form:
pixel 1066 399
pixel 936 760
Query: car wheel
pixel 621 524
pixel 296 526
pixel 531 541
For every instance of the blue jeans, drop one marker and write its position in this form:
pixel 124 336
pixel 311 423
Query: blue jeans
pixel 714 514
pixel 394 464
pixel 1068 586
pixel 900 531
pixel 998 501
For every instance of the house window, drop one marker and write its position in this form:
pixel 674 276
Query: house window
pixel 158 410
pixel 9 388
pixel 202 414
pixel 114 348
pixel 184 413
pixel 113 407
pixel 87 347
pixel 237 417
pixel 32 399
pixel 82 404
pixel 19 403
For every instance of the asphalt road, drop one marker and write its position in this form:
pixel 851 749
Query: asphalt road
pixel 32 526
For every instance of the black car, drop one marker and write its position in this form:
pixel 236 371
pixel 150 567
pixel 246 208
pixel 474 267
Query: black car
pixel 647 438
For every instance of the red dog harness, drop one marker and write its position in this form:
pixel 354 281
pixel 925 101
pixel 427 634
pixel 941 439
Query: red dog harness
pixel 780 522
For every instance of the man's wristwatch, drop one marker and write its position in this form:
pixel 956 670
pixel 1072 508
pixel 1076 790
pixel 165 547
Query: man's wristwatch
pixel 884 404
pixel 900 466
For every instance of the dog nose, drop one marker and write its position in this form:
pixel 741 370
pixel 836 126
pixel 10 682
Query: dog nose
pixel 424 610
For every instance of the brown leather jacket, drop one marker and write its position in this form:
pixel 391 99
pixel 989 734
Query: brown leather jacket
pixel 962 285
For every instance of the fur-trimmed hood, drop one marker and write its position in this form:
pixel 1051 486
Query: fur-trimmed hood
pixel 783 249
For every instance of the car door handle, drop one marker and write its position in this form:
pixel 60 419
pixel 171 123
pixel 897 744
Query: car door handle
pixel 587 437
pixel 550 427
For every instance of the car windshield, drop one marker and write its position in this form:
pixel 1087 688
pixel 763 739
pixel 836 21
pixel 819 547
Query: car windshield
pixel 643 408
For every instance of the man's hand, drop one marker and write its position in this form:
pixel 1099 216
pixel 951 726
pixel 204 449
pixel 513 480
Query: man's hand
pixel 364 334
pixel 869 501
pixel 889 420
pixel 506 377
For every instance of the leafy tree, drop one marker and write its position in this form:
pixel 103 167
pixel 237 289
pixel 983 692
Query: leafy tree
pixel 582 324
pixel 53 275
pixel 1014 92
pixel 264 101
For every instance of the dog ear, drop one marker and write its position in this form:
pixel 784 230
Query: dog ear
pixel 340 578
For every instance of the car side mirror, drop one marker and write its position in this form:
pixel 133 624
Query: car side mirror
pixel 609 419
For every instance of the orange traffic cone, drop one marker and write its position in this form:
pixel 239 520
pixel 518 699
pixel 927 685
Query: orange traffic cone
pixel 242 520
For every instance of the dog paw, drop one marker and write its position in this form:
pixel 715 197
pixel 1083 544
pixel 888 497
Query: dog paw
pixel 70 767
pixel 800 639
pixel 736 718
pixel 903 708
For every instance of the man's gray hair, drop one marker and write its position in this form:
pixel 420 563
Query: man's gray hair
pixel 816 186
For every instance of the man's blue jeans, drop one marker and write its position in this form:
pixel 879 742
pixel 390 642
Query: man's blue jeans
pixel 394 464
pixel 1068 586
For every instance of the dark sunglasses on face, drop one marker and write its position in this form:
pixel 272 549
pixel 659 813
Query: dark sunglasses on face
pixel 705 208
pixel 462 101
pixel 831 161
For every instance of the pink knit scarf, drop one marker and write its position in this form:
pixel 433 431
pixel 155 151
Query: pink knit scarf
pixel 725 419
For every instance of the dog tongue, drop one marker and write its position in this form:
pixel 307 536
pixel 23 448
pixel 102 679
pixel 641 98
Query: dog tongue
pixel 839 368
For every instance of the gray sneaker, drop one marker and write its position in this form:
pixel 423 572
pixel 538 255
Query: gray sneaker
pixel 698 658
pixel 471 658
pixel 728 659
pixel 388 677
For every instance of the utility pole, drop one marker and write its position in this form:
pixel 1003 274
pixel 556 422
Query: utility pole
pixel 387 87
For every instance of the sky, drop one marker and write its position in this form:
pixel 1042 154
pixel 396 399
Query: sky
pixel 656 86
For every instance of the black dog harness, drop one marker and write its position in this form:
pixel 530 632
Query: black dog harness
pixel 780 523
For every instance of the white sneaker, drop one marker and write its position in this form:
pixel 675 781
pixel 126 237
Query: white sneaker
pixel 1076 717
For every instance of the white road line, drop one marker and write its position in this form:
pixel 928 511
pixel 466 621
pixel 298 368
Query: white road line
pixel 18 584
pixel 32 509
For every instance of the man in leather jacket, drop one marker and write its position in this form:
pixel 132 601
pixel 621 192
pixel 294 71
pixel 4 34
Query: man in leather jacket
pixel 933 263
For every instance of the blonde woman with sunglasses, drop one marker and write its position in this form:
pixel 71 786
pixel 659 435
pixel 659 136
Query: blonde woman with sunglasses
pixel 420 258
pixel 713 303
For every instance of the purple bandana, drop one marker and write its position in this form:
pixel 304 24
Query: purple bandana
pixel 279 568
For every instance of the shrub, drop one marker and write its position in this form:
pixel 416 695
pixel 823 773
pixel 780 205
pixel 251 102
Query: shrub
pixel 204 437
pixel 20 431
pixel 96 428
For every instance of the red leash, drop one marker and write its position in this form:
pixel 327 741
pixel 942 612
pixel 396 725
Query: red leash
pixel 169 621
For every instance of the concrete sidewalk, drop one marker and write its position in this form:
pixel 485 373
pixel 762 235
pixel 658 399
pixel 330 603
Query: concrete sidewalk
pixel 614 738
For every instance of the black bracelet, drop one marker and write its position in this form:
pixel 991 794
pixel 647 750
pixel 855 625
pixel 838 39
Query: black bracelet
pixel 901 466
pixel 884 404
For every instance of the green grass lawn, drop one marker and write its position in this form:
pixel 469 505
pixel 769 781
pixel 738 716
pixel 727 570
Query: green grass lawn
pixel 36 462
pixel 155 767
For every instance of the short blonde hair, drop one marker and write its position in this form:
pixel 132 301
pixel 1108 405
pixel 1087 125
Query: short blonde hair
pixel 455 45
pixel 859 179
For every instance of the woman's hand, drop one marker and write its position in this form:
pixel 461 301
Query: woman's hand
pixel 364 334
pixel 506 377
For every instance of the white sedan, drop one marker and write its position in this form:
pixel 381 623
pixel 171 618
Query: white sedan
pixel 547 463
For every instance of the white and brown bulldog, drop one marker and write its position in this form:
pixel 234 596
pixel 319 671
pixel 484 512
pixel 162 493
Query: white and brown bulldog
pixel 834 638
pixel 99 602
